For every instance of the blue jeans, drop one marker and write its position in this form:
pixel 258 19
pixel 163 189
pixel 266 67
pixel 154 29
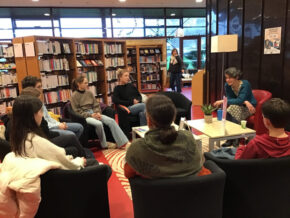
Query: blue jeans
pixel 72 129
pixel 116 131
pixel 139 109
pixel 175 80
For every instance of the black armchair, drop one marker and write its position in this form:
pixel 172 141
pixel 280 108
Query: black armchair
pixel 256 188
pixel 74 194
pixel 89 130
pixel 126 120
pixel 182 104
pixel 185 197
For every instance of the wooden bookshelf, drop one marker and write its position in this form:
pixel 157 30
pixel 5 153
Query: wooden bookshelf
pixel 8 77
pixel 54 62
pixel 90 61
pixel 115 57
pixel 132 63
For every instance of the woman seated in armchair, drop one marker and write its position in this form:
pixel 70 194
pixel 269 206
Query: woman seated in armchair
pixel 241 101
pixel 126 94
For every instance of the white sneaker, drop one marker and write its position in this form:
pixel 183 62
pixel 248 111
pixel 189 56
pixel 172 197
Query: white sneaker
pixel 111 145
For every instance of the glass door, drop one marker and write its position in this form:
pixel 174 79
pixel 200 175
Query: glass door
pixel 190 53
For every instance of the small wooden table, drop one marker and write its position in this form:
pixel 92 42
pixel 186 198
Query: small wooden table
pixel 141 130
pixel 221 130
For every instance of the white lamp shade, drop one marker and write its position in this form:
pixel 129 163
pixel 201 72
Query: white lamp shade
pixel 224 43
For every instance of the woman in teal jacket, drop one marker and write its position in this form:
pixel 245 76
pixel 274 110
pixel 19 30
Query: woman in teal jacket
pixel 241 101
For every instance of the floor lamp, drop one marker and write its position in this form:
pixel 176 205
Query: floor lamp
pixel 223 44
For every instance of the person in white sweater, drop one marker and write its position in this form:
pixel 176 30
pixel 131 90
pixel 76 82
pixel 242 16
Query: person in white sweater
pixel 28 140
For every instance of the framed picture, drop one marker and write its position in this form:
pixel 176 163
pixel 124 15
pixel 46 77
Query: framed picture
pixel 272 40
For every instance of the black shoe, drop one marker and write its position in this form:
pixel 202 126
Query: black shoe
pixel 236 142
pixel 228 143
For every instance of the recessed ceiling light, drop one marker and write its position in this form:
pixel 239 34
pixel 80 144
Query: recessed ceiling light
pixel 46 14
pixel 122 0
pixel 172 14
pixel 35 0
pixel 198 0
pixel 113 14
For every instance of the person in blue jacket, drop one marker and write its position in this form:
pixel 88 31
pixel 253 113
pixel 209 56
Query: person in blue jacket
pixel 241 101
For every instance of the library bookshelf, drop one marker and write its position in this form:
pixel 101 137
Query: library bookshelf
pixel 132 64
pixel 57 61
pixel 8 77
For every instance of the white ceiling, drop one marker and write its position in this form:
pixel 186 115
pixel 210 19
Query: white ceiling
pixel 102 3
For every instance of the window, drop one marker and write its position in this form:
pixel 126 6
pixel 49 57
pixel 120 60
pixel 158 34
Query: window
pixel 172 22
pixel 194 26
pixel 154 27
pixel 154 32
pixel 128 27
pixel 171 44
pixel 81 27
pixel 6 31
pixel 33 27
pixel 154 22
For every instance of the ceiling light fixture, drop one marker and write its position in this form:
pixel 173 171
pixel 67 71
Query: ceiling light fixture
pixel 113 14
pixel 172 14
pixel 35 0
pixel 198 1
pixel 46 14
pixel 122 0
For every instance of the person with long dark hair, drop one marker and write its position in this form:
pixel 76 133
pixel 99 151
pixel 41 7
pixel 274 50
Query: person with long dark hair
pixel 28 140
pixel 163 152
pixel 85 104
pixel 175 69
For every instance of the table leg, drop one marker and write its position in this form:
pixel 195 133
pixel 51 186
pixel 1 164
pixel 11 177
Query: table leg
pixel 211 144
pixel 218 143
pixel 133 134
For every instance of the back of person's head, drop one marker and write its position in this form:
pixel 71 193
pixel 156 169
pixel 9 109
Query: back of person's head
pixel 30 81
pixel 162 112
pixel 120 72
pixel 23 122
pixel 277 111
pixel 77 81
pixel 233 72
pixel 31 92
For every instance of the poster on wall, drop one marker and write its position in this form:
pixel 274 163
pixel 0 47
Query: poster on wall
pixel 272 42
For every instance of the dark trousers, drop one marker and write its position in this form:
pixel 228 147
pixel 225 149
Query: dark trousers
pixel 175 81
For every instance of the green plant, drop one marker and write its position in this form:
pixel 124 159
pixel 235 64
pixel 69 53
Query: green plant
pixel 207 109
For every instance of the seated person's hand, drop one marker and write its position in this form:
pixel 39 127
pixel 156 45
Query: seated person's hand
pixel 217 103
pixel 85 161
pixel 62 126
pixel 251 108
pixel 135 101
pixel 97 116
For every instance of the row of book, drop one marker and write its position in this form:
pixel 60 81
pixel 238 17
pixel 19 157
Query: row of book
pixel 9 92
pixel 8 78
pixel 150 77
pixel 4 105
pixel 53 81
pixel 86 48
pixel 52 47
pixel 111 74
pixel 93 89
pixel 56 110
pixel 111 87
pixel 149 86
pixel 149 51
pixel 62 95
pixel 114 62
pixel 49 65
pixel 89 63
pixel 131 51
pixel 92 76
pixel 131 60
pixel 6 51
pixel 150 59
pixel 115 48
pixel 149 68
pixel 7 66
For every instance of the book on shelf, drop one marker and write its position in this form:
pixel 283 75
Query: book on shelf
pixel 89 63
pixel 6 51
pixel 7 66
pixel 53 64
pixel 111 74
pixel 53 81
pixel 4 105
pixel 111 87
pixel 52 47
pixel 113 48
pixel 56 110
pixel 149 86
pixel 9 92
pixel 114 62
pixel 92 76
pixel 62 95
pixel 8 78
pixel 93 89
pixel 87 48
pixel 150 59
